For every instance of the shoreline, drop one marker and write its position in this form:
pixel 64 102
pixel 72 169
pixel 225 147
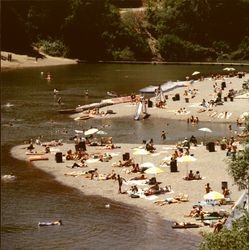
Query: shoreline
pixel 23 61
pixel 213 172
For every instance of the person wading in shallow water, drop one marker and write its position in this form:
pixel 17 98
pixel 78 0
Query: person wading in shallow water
pixel 163 135
pixel 120 182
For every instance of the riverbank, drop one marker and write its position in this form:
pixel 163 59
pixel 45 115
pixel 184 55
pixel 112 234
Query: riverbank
pixel 213 172
pixel 24 61
pixel 206 89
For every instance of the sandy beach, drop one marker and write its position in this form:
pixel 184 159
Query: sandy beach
pixel 24 61
pixel 212 171
pixel 212 165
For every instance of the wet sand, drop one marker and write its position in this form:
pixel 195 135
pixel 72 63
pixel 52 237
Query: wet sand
pixel 212 166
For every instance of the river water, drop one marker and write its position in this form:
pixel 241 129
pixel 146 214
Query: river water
pixel 29 110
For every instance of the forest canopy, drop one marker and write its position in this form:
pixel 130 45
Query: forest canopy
pixel 92 30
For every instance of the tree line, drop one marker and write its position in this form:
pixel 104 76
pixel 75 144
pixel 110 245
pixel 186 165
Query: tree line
pixel 92 30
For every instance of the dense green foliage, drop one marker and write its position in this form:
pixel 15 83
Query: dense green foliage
pixel 234 239
pixel 95 30
pixel 238 167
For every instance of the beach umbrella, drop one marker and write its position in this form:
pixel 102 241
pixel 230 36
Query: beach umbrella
pixel 91 131
pixel 154 170
pixel 213 196
pixel 229 69
pixel 186 159
pixel 101 132
pixel 205 130
pixel 141 152
pixel 78 131
pixel 196 73
pixel 243 115
pixel 148 165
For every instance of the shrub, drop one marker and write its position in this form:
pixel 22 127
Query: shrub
pixel 53 47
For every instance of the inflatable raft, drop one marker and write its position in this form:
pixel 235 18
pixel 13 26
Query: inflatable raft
pixel 50 223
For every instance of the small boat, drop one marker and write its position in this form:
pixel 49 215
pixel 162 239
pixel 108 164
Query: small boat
pixel 112 93
pixel 68 111
pixel 83 117
pixel 210 218
pixel 92 106
pixel 185 225
pixel 50 223
pixel 38 158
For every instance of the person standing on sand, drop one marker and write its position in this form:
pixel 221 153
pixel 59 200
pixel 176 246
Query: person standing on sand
pixel 208 189
pixel 120 182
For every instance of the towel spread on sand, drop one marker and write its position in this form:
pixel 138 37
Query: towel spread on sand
pixel 136 182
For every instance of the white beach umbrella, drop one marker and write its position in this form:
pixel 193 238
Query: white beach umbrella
pixel 141 152
pixel 148 165
pixel 205 130
pixel 91 131
pixel 78 131
pixel 243 115
pixel 101 132
pixel 186 159
pixel 229 69
pixel 196 73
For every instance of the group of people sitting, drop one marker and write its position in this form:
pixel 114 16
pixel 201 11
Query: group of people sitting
pixel 192 176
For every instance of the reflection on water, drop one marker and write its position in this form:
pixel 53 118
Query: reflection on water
pixel 29 110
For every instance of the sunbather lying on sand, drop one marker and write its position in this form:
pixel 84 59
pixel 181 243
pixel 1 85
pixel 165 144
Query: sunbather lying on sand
pixel 181 197
pixel 75 174
pixel 123 163
pixel 166 201
pixel 140 177
pixel 111 176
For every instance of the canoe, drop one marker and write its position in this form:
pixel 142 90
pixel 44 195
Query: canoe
pixel 185 225
pixel 68 111
pixel 83 117
pixel 210 218
pixel 38 158
pixel 112 94
pixel 50 223
pixel 92 106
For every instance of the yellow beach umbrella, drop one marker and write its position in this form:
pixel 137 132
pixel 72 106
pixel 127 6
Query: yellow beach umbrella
pixel 153 170
pixel 187 159
pixel 213 196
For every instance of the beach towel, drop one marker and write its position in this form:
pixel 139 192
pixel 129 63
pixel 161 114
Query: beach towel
pixel 229 115
pixel 136 182
pixel 150 197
